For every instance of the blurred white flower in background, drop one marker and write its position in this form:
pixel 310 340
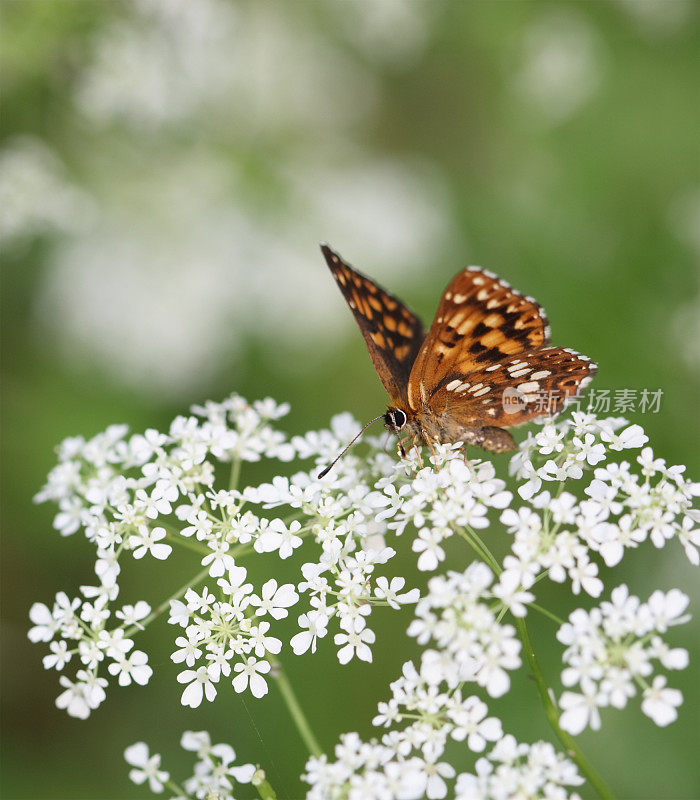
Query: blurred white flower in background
pixel 393 31
pixel 162 299
pixel 257 68
pixel 561 65
pixel 159 64
pixel 35 194
pixel 658 17
pixel 208 228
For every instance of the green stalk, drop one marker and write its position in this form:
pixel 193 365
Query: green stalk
pixel 265 791
pixel 552 715
pixel 165 605
pixel 297 714
pixel 235 473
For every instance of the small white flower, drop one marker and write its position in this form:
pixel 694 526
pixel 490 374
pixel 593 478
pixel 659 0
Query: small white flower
pixel 60 656
pixel 75 699
pixel 427 543
pixel 45 624
pixel 189 651
pixel 146 541
pixel 316 624
pixel 512 594
pixel 631 437
pixel 354 643
pixel 581 710
pixel 146 767
pixel 280 537
pixel 199 686
pixel 134 668
pixel 251 671
pixel 219 560
pixel 274 600
pixel 660 703
pixel 389 592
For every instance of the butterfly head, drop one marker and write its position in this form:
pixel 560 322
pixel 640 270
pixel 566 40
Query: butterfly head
pixel 395 419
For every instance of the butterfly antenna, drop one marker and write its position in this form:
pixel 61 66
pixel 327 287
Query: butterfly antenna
pixel 325 471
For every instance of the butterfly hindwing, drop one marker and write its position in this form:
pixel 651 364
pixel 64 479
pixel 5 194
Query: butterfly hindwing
pixel 393 334
pixel 533 384
pixel 480 321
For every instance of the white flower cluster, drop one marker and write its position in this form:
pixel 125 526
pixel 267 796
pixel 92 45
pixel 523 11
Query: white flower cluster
pixel 78 627
pixel 407 763
pixel 147 494
pixel 231 629
pixel 456 617
pixel 516 771
pixel 214 771
pixel 609 654
pixel 557 534
pixel 440 503
pixel 120 489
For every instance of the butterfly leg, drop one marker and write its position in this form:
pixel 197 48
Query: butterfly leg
pixel 399 446
pixel 432 449
pixel 416 447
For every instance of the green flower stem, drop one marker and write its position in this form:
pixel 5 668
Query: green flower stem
pixel 183 541
pixel 482 552
pixel 552 715
pixel 298 716
pixel 265 791
pixel 547 613
pixel 165 605
pixel 489 555
pixel 235 473
pixel 176 789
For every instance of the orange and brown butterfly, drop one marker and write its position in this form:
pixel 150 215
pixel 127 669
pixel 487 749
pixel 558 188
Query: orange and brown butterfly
pixel 485 364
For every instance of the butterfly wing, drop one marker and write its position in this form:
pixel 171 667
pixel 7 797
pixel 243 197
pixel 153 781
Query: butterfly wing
pixel 535 383
pixel 480 321
pixel 393 334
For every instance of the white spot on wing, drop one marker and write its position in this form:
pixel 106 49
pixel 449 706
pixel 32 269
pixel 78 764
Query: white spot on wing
pixel 530 386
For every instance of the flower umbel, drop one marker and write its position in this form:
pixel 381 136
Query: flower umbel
pixel 578 508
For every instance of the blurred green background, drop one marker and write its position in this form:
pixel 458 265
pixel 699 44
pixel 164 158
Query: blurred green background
pixel 166 172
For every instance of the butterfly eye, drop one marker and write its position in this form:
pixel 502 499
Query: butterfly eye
pixel 395 418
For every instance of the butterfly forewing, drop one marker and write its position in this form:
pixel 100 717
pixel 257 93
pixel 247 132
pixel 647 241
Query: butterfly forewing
pixel 480 321
pixel 393 334
pixel 533 384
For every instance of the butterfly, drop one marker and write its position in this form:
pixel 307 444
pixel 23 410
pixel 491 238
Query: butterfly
pixel 484 365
